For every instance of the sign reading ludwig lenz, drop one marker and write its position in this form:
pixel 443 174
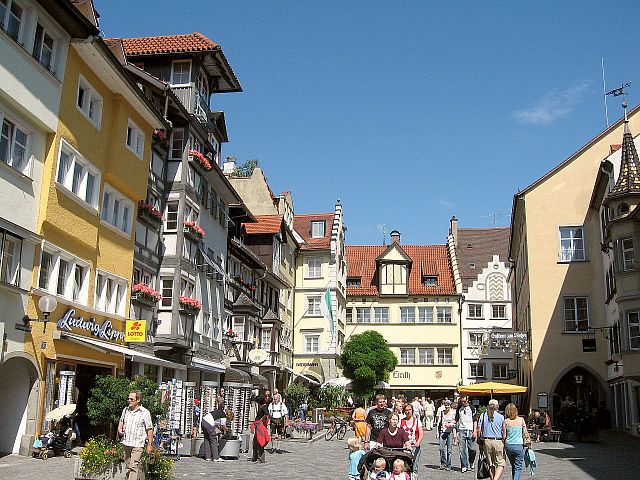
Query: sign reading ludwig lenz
pixel 102 330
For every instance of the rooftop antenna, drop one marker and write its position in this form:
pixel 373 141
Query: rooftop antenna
pixel 384 234
pixel 604 91
pixel 493 217
pixel 616 92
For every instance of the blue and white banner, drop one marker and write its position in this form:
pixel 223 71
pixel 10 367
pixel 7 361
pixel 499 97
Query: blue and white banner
pixel 327 311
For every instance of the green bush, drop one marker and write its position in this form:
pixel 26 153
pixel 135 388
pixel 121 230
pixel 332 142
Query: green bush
pixel 100 455
pixel 296 394
pixel 332 397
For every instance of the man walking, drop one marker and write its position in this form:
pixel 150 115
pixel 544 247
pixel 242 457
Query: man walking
pixel 467 424
pixel 429 411
pixel 489 429
pixel 135 427
pixel 377 420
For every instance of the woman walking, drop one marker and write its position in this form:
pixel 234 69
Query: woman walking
pixel 412 426
pixel 445 432
pixel 392 436
pixel 513 436
pixel 259 429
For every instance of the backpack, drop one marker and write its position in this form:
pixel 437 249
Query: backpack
pixel 460 407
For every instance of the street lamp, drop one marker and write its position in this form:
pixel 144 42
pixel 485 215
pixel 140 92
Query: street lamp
pixel 46 304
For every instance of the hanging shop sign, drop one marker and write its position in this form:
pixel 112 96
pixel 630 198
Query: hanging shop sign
pixel 135 331
pixel 104 330
pixel 589 345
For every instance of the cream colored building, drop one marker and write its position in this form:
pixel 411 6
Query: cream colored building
pixel 558 280
pixel 408 294
pixel 320 295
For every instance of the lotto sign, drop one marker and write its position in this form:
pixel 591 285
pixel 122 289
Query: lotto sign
pixel 135 331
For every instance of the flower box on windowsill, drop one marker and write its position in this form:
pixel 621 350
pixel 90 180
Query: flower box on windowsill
pixel 193 231
pixel 200 160
pixel 190 306
pixel 149 212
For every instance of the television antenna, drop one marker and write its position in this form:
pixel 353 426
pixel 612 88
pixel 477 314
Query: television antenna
pixel 493 216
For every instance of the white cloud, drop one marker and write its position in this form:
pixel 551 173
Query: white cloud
pixel 553 105
pixel 446 203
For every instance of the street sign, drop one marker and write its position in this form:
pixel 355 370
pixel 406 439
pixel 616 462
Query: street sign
pixel 589 345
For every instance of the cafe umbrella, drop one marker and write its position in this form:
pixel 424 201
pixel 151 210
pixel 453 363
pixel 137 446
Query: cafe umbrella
pixel 491 388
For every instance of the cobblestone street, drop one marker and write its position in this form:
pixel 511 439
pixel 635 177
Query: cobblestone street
pixel 614 456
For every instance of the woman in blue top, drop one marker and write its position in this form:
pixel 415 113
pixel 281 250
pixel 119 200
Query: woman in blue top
pixel 513 437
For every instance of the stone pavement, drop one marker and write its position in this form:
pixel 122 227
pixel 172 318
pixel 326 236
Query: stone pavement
pixel 614 456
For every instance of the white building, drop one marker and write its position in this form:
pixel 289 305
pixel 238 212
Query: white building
pixel 34 41
pixel 482 262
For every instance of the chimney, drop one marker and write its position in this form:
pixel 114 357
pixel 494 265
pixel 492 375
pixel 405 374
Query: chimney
pixel 229 165
pixel 395 236
pixel 453 230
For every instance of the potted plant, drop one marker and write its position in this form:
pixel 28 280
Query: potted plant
pixel 199 159
pixel 194 230
pixel 149 212
pixel 142 293
pixel 159 134
pixel 190 306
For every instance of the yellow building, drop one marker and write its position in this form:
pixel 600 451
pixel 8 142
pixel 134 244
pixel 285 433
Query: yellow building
pixel 558 280
pixel 95 172
pixel 407 293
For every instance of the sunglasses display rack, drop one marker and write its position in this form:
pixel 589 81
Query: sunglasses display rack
pixel 66 387
pixel 208 395
pixel 173 392
pixel 237 398
pixel 189 396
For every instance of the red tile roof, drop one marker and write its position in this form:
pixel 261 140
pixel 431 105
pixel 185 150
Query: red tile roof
pixel 190 42
pixel 266 224
pixel 302 225
pixel 477 246
pixel 427 260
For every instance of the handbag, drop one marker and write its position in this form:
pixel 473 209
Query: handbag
pixel 480 438
pixel 526 436
pixel 483 467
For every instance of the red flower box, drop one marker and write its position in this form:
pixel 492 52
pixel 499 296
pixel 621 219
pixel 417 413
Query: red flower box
pixel 200 159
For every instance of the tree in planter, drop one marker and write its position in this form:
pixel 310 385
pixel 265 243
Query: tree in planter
pixel 332 397
pixel 366 360
pixel 296 394
pixel 109 397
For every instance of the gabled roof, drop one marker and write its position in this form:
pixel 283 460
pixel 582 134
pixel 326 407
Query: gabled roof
pixel 184 43
pixel 432 260
pixel 302 225
pixel 391 248
pixel 478 246
pixel 264 225
pixel 628 182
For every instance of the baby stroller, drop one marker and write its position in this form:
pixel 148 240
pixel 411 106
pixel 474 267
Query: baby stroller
pixel 58 440
pixel 390 455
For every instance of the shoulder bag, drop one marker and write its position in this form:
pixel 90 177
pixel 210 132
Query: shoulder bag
pixel 481 433
pixel 483 467
pixel 525 436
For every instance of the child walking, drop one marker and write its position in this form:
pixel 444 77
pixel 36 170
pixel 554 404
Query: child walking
pixel 355 454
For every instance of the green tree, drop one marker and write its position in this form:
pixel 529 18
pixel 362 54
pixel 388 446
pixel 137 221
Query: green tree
pixel 295 394
pixel 366 360
pixel 109 397
pixel 245 169
pixel 332 396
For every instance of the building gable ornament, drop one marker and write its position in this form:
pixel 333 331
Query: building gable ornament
pixel 104 330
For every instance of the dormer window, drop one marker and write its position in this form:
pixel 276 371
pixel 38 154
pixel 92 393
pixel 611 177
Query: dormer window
pixel 353 282
pixel 430 280
pixel 318 229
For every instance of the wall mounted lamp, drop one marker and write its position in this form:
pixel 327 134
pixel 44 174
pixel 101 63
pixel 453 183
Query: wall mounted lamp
pixel 46 304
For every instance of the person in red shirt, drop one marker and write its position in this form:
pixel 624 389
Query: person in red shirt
pixel 392 436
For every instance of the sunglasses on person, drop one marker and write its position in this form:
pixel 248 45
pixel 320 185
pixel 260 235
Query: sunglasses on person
pixel 131 399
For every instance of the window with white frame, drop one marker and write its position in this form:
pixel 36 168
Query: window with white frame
pixel 444 314
pixel 14 145
pixel 181 72
pixel 187 288
pixel 477 370
pixel 10 257
pixel 166 290
pixel 12 18
pixel 110 293
pixel 318 229
pixel 628 254
pixel 476 339
pixel 633 321
pixel 311 343
pixel 44 47
pixel 89 101
pixel 117 210
pixel 425 356
pixel 314 267
pixel 177 144
pixel 147 237
pixel 576 314
pixel 238 327
pixel 498 311
pixel 135 139
pixel 348 315
pixel 425 314
pixel 445 356
pixel 363 315
pixel 500 370
pixel 77 175
pixel 313 305
pixel 142 275
pixel 381 315
pixel 407 315
pixel 475 310
pixel 407 356
pixel 191 213
pixel 171 217
pixel 63 274
pixel 572 244
pixel 265 339
pixel 189 251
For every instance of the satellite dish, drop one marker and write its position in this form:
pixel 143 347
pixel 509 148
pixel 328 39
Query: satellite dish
pixel 258 356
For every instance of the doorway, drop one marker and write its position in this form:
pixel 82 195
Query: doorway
pixel 85 381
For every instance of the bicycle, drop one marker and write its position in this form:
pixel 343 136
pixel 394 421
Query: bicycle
pixel 338 429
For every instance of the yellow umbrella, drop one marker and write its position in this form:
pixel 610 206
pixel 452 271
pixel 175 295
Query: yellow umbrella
pixel 489 388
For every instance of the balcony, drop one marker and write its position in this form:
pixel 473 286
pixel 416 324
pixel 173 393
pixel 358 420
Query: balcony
pixel 193 102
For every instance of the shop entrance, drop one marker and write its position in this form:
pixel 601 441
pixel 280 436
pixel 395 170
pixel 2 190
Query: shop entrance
pixel 581 388
pixel 85 381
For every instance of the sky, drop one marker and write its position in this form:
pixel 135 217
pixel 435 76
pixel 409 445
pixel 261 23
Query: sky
pixel 409 112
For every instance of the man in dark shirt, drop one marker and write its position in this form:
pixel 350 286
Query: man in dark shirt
pixel 377 419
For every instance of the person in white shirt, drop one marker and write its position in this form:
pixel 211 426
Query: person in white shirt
pixel 279 417
pixel 429 411
pixel 467 425
pixel 418 410
pixel 135 428
pixel 212 424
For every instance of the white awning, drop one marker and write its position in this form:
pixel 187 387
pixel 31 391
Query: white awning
pixel 207 365
pixel 308 379
pixel 134 355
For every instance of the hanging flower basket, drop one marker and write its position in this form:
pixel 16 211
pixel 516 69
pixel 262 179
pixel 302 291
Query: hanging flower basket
pixel 159 135
pixel 193 230
pixel 190 306
pixel 148 211
pixel 199 159
pixel 142 293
